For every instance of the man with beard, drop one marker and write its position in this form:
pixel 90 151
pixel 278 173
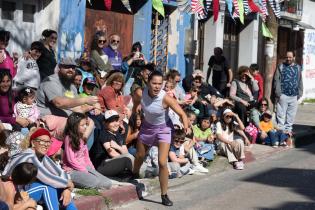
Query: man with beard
pixel 57 95
pixel 288 89
pixel 112 52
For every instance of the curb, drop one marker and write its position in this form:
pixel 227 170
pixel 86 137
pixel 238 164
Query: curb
pixel 90 202
pixel 108 199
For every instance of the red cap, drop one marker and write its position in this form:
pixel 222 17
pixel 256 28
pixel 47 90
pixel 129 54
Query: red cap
pixel 40 132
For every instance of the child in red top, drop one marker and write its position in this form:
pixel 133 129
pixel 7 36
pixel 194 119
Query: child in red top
pixel 254 68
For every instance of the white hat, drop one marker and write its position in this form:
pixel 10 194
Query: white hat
pixel 110 114
pixel 227 111
pixel 197 72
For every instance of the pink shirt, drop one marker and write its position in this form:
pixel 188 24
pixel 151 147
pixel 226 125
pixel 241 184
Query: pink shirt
pixel 76 160
pixel 8 64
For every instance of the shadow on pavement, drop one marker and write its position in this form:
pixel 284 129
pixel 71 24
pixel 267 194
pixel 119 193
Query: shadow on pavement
pixel 293 206
pixel 300 181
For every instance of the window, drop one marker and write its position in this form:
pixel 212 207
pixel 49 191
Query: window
pixel 8 9
pixel 28 13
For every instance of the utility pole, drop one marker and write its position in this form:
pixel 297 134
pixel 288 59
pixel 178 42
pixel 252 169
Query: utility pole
pixel 271 54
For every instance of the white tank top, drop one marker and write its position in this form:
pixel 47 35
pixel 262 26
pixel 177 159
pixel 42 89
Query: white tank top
pixel 154 112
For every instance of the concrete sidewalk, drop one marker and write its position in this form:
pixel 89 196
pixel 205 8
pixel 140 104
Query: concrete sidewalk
pixel 304 134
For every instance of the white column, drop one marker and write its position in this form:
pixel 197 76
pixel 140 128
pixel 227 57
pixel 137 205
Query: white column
pixel 248 44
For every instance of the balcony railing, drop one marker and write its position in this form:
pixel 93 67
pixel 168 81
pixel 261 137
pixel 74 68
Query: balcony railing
pixel 292 9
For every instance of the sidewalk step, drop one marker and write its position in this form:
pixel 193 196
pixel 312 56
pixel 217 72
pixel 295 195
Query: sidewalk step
pixel 110 198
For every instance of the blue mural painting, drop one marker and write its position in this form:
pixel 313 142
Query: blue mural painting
pixel 71 28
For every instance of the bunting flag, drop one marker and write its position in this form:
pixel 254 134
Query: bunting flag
pixel 277 4
pixel 236 12
pixel 264 10
pixel 246 7
pixel 207 4
pixel 108 4
pixel 197 8
pixel 273 7
pixel 241 10
pixel 253 7
pixel 230 7
pixel 126 3
pixel 265 31
pixel 158 6
pixel 184 6
pixel 216 6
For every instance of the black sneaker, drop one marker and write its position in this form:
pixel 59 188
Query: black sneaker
pixel 166 201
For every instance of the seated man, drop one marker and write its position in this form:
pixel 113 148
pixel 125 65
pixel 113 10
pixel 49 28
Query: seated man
pixel 58 96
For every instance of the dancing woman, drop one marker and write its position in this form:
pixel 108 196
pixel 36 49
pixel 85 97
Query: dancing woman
pixel 157 127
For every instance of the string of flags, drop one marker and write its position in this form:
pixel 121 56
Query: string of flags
pixel 202 8
pixel 235 8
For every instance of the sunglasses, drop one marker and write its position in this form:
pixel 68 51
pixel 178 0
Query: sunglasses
pixel 42 143
pixel 67 66
pixel 228 116
pixel 101 41
pixel 264 104
pixel 115 41
pixel 179 141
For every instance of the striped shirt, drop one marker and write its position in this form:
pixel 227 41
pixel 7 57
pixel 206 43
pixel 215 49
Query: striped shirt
pixel 48 171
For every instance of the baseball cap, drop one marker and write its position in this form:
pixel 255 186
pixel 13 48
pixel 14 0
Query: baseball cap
pixel 267 113
pixel 111 115
pixel 67 61
pixel 197 72
pixel 89 81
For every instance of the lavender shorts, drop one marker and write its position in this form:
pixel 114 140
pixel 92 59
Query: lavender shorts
pixel 151 135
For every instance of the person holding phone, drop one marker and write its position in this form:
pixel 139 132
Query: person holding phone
pixel 132 64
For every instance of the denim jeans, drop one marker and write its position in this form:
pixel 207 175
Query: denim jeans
pixel 286 111
pixel 275 136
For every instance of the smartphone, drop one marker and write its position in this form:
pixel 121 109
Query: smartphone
pixel 137 54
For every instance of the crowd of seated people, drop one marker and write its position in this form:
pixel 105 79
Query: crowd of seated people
pixel 72 123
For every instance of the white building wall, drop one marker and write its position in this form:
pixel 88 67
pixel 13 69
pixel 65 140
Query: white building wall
pixel 248 44
pixel 24 33
pixel 308 72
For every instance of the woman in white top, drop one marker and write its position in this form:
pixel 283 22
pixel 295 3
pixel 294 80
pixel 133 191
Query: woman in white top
pixel 230 146
pixel 156 129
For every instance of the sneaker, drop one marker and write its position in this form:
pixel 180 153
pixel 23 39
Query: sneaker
pixel 166 201
pixel 276 144
pixel 284 144
pixel 200 168
pixel 191 171
pixel 239 165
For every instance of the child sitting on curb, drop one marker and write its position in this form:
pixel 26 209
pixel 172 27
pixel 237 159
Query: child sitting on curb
pixel 178 164
pixel 275 136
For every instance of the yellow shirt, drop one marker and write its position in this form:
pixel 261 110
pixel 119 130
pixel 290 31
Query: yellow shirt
pixel 266 126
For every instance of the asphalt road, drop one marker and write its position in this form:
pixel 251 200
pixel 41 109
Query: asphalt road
pixel 282 181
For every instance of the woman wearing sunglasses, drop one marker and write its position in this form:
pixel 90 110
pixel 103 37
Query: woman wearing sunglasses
pixel 229 146
pixel 99 60
pixel 255 116
pixel 47 61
